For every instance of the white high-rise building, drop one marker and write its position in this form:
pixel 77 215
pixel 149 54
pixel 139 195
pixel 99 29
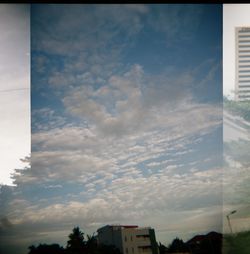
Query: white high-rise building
pixel 242 75
pixel 129 239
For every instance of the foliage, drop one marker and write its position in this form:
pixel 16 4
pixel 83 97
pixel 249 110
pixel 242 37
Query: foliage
pixel 108 249
pixel 239 108
pixel 45 248
pixel 162 248
pixel 237 243
pixel 177 245
pixel 75 245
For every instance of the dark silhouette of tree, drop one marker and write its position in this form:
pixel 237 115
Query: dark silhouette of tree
pixel 46 248
pixel 177 245
pixel 162 248
pixel 237 243
pixel 108 249
pixel 76 243
pixel 91 244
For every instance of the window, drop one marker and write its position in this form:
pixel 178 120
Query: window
pixel 246 86
pixel 127 250
pixel 243 36
pixel 125 238
pixel 243 71
pixel 132 249
pixel 244 51
pixel 244 76
pixel 244 31
pixel 244 96
pixel 244 61
pixel 244 91
pixel 131 238
pixel 244 41
pixel 244 81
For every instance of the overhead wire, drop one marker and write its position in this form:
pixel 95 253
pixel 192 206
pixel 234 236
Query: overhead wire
pixel 14 90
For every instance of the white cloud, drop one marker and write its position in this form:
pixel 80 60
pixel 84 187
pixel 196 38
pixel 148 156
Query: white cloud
pixel 114 186
pixel 127 199
pixel 236 172
pixel 131 107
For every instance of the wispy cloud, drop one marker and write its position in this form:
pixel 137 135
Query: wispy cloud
pixel 236 171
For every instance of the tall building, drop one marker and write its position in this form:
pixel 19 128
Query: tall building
pixel 129 239
pixel 242 77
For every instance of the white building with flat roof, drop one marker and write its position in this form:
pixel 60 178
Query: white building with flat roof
pixel 129 239
pixel 242 68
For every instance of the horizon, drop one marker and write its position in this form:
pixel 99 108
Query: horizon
pixel 166 243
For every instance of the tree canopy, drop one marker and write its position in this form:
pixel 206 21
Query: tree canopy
pixel 75 245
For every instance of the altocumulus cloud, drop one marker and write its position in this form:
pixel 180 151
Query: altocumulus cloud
pixel 116 138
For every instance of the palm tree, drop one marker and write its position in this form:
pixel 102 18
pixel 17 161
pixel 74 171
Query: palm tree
pixel 91 244
pixel 76 243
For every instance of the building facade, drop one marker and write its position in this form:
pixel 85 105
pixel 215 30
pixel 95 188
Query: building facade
pixel 242 75
pixel 129 239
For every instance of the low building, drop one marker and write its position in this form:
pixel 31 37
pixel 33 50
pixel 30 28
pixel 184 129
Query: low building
pixel 129 239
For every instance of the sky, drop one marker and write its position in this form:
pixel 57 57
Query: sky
pixel 126 123
pixel 236 179
pixel 14 88
pixel 234 15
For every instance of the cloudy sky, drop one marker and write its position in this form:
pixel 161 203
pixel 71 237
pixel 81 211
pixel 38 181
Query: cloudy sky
pixel 236 178
pixel 126 123
pixel 234 15
pixel 14 88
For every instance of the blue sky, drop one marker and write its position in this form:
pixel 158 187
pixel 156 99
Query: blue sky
pixel 126 122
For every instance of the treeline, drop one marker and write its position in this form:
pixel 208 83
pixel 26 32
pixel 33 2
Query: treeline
pixel 176 246
pixel 75 245
pixel 210 243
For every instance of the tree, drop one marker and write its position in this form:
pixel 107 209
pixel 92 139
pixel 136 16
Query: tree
pixel 162 248
pixel 177 245
pixel 108 249
pixel 76 243
pixel 46 248
pixel 91 244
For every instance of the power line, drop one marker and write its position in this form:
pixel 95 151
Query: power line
pixel 14 89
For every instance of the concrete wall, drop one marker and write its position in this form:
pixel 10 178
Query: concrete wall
pixel 130 240
pixel 110 236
